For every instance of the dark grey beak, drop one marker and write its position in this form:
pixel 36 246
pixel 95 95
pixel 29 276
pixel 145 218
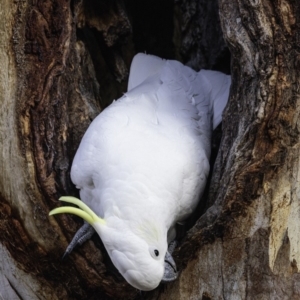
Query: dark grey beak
pixel 170 268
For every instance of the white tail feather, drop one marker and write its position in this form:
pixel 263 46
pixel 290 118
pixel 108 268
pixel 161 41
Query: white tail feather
pixel 215 85
pixel 218 85
pixel 142 67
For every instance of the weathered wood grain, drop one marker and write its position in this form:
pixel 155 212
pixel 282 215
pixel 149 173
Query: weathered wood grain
pixel 62 62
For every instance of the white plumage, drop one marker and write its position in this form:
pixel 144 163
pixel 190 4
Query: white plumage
pixel 143 162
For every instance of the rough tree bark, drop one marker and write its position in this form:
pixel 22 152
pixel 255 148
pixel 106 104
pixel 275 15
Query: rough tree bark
pixel 247 244
pixel 63 61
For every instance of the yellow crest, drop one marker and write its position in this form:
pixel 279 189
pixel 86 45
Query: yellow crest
pixel 85 212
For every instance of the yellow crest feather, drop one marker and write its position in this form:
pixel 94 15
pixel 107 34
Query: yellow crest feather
pixel 85 212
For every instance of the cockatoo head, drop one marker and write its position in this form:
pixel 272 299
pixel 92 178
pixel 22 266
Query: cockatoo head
pixel 138 253
pixel 137 250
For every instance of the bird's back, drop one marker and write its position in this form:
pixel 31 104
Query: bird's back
pixel 149 151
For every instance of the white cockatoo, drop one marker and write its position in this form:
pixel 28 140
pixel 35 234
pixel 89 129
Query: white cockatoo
pixel 143 163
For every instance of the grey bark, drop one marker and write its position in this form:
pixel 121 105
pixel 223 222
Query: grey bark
pixel 246 246
pixel 63 61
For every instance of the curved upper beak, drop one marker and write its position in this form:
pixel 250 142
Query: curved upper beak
pixel 170 273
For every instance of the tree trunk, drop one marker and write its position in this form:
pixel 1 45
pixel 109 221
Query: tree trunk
pixel 63 61
pixel 247 244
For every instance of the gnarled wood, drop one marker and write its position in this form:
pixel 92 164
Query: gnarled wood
pixel 62 62
pixel 55 97
pixel 246 246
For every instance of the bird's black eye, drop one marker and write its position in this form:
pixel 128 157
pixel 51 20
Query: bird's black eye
pixel 154 252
